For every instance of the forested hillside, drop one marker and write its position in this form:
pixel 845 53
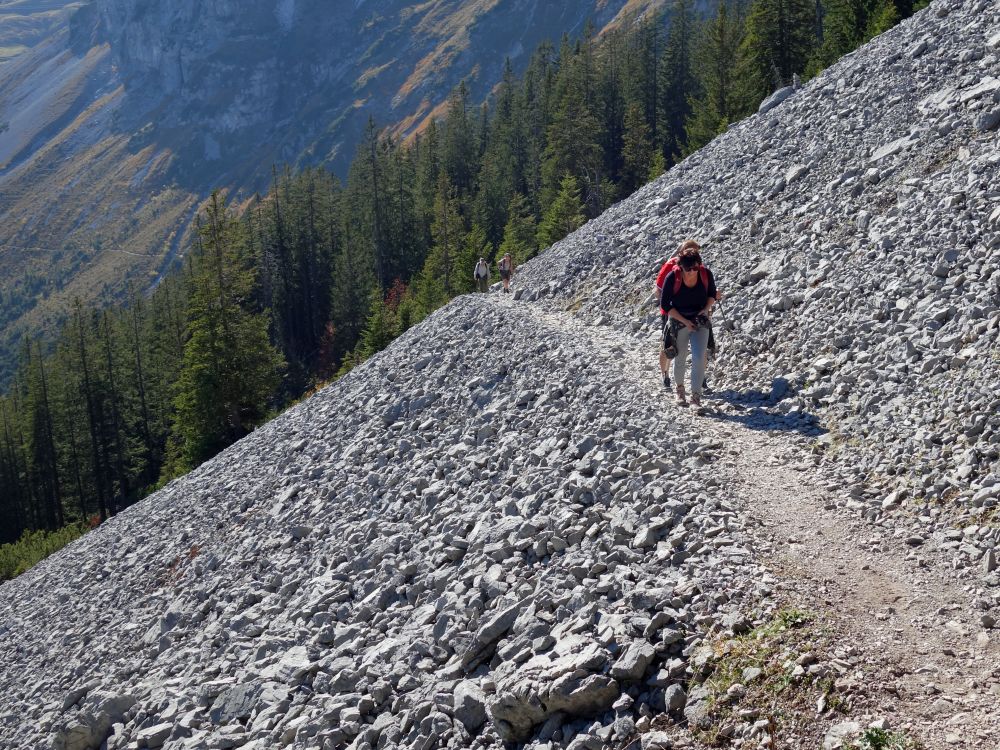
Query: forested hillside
pixel 117 121
pixel 285 290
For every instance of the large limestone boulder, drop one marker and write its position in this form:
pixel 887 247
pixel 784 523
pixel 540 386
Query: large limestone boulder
pixel 571 679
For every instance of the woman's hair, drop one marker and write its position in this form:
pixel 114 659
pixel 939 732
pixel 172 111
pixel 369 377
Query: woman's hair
pixel 686 244
pixel 690 256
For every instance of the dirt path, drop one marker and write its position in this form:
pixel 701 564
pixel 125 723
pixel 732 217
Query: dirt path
pixel 927 663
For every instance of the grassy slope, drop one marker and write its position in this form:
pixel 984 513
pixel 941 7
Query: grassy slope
pixel 24 23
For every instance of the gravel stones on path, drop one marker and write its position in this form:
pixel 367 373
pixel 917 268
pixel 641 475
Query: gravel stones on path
pixel 901 618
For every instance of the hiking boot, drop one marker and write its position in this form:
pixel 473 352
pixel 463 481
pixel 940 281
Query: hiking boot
pixel 681 398
pixel 696 399
pixel 666 381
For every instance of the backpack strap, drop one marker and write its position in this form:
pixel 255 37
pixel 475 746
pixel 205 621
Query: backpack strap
pixel 677 278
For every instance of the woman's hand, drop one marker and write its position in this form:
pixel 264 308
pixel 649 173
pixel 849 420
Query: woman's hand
pixel 688 324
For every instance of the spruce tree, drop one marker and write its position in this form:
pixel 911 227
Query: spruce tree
pixel 113 399
pixel 230 369
pixel 657 166
pixel 459 155
pixel 89 395
pixel 42 452
pixel 426 295
pixel 617 62
pixel 380 329
pixel 574 132
pixel 536 97
pixel 637 150
pixel 677 78
pixel 520 235
pixel 564 215
pixel 779 40
pixel 352 282
pixel 885 14
pixel 427 161
pixel 448 232
pixel 644 84
pixel 12 505
pixel 715 60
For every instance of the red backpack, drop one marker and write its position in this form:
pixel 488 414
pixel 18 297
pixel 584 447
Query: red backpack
pixel 673 265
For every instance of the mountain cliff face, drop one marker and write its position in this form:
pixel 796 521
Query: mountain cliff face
pixel 115 125
pixel 298 79
pixel 25 23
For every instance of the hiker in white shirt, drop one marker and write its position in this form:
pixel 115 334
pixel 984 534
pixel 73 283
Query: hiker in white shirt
pixel 482 275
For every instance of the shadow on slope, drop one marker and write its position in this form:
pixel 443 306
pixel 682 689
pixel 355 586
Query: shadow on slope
pixel 754 414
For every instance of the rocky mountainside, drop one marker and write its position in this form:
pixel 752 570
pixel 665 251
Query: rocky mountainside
pixel 25 23
pixel 856 230
pixel 117 123
pixel 501 529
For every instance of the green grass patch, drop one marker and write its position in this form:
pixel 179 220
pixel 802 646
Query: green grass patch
pixel 882 739
pixel 35 546
pixel 774 692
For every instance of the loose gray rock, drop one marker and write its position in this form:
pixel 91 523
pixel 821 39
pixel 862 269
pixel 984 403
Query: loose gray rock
pixel 841 735
pixel 470 705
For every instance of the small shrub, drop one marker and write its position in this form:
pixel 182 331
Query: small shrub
pixel 767 647
pixel 35 546
pixel 882 739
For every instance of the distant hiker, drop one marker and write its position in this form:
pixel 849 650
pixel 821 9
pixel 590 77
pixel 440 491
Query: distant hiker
pixel 688 296
pixel 506 266
pixel 667 348
pixel 482 275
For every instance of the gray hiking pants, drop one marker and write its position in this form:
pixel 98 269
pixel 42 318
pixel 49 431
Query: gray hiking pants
pixel 697 342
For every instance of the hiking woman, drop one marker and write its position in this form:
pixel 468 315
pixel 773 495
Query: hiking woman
pixel 482 275
pixel 688 296
pixel 506 266
pixel 665 339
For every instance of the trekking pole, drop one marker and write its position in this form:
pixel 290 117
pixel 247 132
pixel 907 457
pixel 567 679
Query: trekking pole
pixel 725 318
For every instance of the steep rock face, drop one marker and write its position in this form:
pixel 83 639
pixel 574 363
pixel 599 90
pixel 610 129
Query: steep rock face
pixel 299 78
pixel 26 24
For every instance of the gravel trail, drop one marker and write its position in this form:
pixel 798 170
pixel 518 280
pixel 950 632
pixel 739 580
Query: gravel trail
pixel 928 664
